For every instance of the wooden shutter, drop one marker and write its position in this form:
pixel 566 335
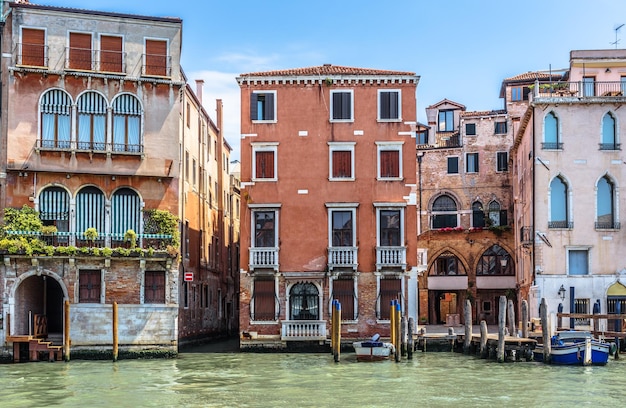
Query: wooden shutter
pixel 33 47
pixel 389 105
pixel 154 288
pixel 80 51
pixel 389 163
pixel 342 163
pixel 390 289
pixel 343 291
pixel 156 58
pixel 111 53
pixel 89 286
pixel 264 299
pixel 265 164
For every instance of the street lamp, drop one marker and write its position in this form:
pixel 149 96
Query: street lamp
pixel 562 293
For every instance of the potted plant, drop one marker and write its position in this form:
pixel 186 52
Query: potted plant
pixel 131 237
pixel 91 234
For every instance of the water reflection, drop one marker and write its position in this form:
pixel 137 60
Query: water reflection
pixel 307 380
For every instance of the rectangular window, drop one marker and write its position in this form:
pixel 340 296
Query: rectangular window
pixel 111 55
pixel 578 261
pixel 390 232
pixel 470 129
pixel 187 166
pixel 265 229
pixel 341 164
pixel 264 298
pixel 33 47
pixel 341 106
pixel 589 86
pixel 500 128
pixel 422 137
pixel 156 59
pixel 343 291
pixel 502 159
pixel 389 105
pixel 263 106
pixel 389 160
pixel 453 165
pixel 516 93
pixel 471 161
pixel 264 164
pixel 343 229
pixel 193 172
pixel 446 121
pixel 80 51
pixel 89 285
pixel 390 289
pixel 154 287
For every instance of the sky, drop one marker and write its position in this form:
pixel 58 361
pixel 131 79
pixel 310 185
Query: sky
pixel 461 49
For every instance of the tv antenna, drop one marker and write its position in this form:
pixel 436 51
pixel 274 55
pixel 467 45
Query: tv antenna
pixel 616 30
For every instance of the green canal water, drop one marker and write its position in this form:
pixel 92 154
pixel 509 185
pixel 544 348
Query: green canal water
pixel 230 379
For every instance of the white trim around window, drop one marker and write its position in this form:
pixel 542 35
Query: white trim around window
pixel 395 98
pixel 332 105
pixel 269 112
pixel 388 146
pixel 264 147
pixel 340 146
pixel 391 207
pixel 332 207
pixel 578 248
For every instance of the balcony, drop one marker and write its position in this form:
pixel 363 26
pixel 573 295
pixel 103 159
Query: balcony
pixel 31 55
pixel 589 91
pixel 390 258
pixel 342 257
pixel 560 225
pixel 610 146
pixel 303 330
pixel 264 258
pixel 156 65
pixel 87 146
pixel 611 225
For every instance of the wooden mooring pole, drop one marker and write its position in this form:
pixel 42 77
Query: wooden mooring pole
pixel 501 327
pixel 392 325
pixel 66 334
pixel 484 334
pixel 524 319
pixel 511 318
pixel 404 336
pixel 337 331
pixel 545 331
pixel 115 338
pixel 411 340
pixel 468 326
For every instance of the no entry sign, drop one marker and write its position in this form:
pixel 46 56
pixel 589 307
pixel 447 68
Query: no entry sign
pixel 188 276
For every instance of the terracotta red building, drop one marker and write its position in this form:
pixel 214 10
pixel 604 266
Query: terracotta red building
pixel 328 212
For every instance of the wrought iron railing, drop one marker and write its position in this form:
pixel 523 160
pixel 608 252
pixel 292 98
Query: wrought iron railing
pixel 560 224
pixel 610 146
pixel 110 240
pixel 89 146
pixel 552 146
pixel 33 55
pixel 611 225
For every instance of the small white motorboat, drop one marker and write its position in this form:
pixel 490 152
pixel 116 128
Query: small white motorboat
pixel 372 350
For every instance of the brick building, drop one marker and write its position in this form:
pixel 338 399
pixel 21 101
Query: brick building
pixel 328 201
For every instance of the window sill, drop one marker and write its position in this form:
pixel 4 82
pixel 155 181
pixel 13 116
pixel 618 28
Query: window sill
pixel 395 120
pixel 264 322
pixel 341 179
pixel 341 120
pixel 256 180
pixel 389 178
pixel 268 121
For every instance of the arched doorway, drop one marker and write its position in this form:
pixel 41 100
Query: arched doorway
pixel 38 306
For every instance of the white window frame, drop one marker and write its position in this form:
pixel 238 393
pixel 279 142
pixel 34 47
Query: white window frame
pixel 340 146
pixel 264 147
pixel 264 208
pixel 332 207
pixel 476 163
pixel 275 119
pixel 389 146
pixel 399 95
pixel 390 206
pixel 578 248
pixel 351 92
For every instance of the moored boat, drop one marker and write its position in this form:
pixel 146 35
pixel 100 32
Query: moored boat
pixel 372 350
pixel 575 348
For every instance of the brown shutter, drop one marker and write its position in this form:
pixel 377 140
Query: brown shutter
pixel 390 289
pixel 154 287
pixel 111 53
pixel 389 163
pixel 33 47
pixel 264 165
pixel 156 58
pixel 264 300
pixel 343 291
pixel 80 51
pixel 89 287
pixel 342 163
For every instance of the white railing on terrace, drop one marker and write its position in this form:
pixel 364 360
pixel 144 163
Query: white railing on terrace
pixel 390 257
pixel 561 89
pixel 342 257
pixel 264 258
pixel 303 330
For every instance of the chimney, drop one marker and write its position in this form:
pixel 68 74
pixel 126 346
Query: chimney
pixel 199 85
pixel 219 114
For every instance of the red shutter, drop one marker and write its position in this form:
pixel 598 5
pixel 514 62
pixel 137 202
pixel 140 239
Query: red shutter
pixel 342 164
pixel 264 165
pixel 389 163
pixel 343 291
pixel 111 54
pixel 33 47
pixel 156 58
pixel 390 289
pixel 264 300
pixel 80 51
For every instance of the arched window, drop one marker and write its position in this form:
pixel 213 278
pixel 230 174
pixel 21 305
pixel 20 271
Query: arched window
pixel 125 213
pixel 478 215
pixel 127 115
pixel 609 139
pixel 496 215
pixel 447 264
pixel 304 302
pixel 90 211
pixel 92 117
pixel 54 209
pixel 55 107
pixel 559 204
pixel 606 204
pixel 551 132
pixel 444 212
pixel 495 261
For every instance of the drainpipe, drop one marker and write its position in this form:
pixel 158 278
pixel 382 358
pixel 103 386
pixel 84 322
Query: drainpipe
pixel 420 156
